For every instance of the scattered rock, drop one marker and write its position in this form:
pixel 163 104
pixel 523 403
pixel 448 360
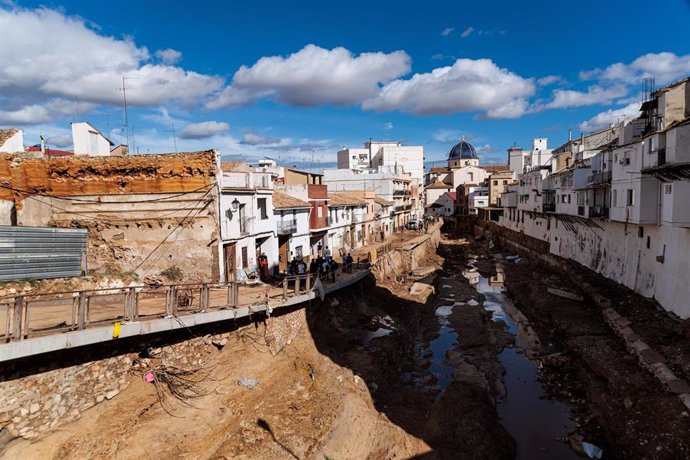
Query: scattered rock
pixel 111 394
pixel 34 408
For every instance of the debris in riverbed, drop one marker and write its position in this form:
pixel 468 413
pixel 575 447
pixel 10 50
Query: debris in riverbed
pixel 248 383
pixel 565 294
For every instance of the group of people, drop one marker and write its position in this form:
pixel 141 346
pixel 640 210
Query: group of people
pixel 325 266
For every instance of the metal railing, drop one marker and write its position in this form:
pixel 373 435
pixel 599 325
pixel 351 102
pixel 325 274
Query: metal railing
pixel 601 177
pixel 549 207
pixel 28 315
pixel 287 227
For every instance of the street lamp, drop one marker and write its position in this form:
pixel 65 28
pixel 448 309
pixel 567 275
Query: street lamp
pixel 235 204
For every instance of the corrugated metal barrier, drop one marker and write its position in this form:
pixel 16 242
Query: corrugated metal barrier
pixel 39 253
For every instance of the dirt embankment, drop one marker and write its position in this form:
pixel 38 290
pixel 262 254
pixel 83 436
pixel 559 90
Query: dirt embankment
pixel 617 404
pixel 288 415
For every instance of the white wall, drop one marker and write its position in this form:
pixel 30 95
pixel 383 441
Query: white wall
pixel 469 175
pixel 89 141
pixel 14 144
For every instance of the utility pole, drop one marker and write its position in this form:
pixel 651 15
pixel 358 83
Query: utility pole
pixel 124 98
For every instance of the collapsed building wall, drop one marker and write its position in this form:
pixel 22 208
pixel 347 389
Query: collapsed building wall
pixel 145 214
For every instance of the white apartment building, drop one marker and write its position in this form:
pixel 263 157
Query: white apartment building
pixel 392 186
pixel 247 222
pixel 292 227
pixel 392 156
pixel 630 220
pixel 347 218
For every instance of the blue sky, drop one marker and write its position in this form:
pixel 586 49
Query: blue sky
pixel 276 79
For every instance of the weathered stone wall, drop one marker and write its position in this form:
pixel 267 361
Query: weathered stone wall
pixel 399 262
pixel 144 214
pixel 282 330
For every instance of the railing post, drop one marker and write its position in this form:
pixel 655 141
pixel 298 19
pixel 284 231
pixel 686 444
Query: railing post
pixel 236 294
pixel 308 282
pixel 285 288
pixel 297 285
pixel 171 302
pixel 205 297
pixel 230 293
pixel 18 307
pixel 132 302
pixel 83 302
pixel 75 312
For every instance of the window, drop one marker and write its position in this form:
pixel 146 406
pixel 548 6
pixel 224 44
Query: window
pixel 470 177
pixel 495 182
pixel 640 232
pixel 668 189
pixel 319 211
pixel 263 212
pixel 505 182
pixel 243 220
pixel 245 259
pixel 298 252
pixel 615 198
pixel 630 200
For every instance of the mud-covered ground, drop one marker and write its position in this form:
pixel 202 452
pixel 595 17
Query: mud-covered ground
pixel 617 405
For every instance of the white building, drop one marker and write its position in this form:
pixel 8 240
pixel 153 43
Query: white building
pixel 392 186
pixel 392 156
pixel 11 140
pixel 89 141
pixel 247 222
pixel 347 218
pixel 629 197
pixel 292 228
pixel 521 160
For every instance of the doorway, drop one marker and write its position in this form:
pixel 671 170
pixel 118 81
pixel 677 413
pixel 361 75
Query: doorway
pixel 284 253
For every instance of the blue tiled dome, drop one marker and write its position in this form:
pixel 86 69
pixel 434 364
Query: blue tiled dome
pixel 463 150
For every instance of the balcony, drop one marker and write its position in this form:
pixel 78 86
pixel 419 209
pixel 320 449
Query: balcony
pixel 598 212
pixel 287 227
pixel 599 178
pixel 402 192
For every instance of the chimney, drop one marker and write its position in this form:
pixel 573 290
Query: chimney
pixel 43 146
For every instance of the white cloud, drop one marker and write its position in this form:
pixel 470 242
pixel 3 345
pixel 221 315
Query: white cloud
pixel 447 136
pixel 604 119
pixel 467 32
pixel 549 80
pixel 204 129
pixel 594 95
pixel 447 31
pixel 388 126
pixel 60 140
pixel 169 56
pixel 486 148
pixel 466 86
pixel 314 76
pixel 665 67
pixel 48 55
pixel 250 138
